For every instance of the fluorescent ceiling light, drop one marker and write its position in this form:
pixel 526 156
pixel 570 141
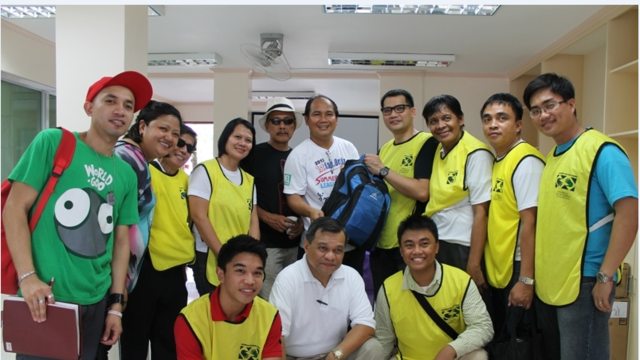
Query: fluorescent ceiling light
pixel 49 11
pixel 390 59
pixel 291 95
pixel 184 59
pixel 482 10
pixel 28 12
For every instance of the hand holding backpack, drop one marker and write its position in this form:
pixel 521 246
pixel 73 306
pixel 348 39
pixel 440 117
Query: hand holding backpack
pixel 360 201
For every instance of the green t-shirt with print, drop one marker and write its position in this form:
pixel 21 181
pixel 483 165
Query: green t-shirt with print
pixel 73 240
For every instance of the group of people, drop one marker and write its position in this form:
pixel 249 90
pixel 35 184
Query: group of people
pixel 477 237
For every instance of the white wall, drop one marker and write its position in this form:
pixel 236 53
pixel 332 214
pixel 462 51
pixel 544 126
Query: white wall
pixel 593 91
pixel 27 55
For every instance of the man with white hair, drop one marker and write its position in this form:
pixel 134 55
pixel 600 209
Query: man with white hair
pixel 279 232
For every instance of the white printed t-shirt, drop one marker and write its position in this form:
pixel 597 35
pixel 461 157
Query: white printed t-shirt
pixel 311 171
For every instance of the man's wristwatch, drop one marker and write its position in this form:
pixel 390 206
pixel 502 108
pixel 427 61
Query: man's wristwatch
pixel 526 280
pixel 115 299
pixel 337 353
pixel 384 171
pixel 602 277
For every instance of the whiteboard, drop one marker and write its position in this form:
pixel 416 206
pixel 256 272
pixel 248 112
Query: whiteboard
pixel 361 130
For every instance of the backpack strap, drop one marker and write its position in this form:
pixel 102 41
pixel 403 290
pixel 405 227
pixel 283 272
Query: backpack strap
pixel 434 316
pixel 61 161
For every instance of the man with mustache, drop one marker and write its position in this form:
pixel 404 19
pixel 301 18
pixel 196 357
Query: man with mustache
pixel 279 232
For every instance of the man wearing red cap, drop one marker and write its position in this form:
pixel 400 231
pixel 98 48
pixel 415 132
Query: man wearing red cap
pixel 82 237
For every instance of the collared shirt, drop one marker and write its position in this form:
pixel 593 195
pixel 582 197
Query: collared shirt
pixel 479 327
pixel 316 318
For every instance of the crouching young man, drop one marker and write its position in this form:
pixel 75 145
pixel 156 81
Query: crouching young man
pixel 401 318
pixel 231 322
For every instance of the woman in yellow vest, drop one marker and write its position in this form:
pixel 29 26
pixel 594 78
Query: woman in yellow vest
pixel 460 187
pixel 222 196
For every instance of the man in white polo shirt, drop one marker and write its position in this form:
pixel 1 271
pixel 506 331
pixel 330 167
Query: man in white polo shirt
pixel 318 300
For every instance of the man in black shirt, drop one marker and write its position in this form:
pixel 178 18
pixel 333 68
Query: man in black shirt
pixel 280 227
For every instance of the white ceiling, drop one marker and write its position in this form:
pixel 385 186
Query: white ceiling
pixel 490 46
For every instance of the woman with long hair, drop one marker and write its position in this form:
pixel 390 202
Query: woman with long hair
pixel 222 198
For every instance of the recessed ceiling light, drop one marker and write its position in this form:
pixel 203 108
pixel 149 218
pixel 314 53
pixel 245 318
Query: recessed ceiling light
pixel 49 11
pixel 184 59
pixel 390 59
pixel 482 10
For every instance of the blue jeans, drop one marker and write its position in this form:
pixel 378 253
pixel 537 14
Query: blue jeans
pixel 584 330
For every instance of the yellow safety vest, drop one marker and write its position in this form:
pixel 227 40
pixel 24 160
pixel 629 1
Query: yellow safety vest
pixel 224 340
pixel 230 209
pixel 447 185
pixel 504 218
pixel 562 225
pixel 419 337
pixel 171 241
pixel 401 159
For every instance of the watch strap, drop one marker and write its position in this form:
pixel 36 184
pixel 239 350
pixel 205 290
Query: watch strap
pixel 526 280
pixel 116 299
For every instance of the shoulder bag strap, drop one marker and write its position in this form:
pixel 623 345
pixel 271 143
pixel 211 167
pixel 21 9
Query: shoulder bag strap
pixel 61 161
pixel 434 316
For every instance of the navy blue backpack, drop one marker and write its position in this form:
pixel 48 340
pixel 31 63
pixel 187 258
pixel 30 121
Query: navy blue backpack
pixel 360 202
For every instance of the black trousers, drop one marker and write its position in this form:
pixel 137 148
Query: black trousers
pixel 384 263
pixel 355 259
pixel 200 274
pixel 151 312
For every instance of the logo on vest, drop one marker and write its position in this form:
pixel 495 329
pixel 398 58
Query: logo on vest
pixel 250 204
pixel 249 352
pixel 451 313
pixel 566 182
pixel 451 178
pixel 374 196
pixel 497 187
pixel 408 160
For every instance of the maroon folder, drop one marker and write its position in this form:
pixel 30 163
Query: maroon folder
pixel 59 337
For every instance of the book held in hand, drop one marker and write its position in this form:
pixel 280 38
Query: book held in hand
pixel 58 337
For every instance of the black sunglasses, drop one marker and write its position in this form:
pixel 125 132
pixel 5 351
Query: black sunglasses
pixel 277 121
pixel 190 148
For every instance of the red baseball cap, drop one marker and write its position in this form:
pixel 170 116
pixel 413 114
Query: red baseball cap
pixel 132 80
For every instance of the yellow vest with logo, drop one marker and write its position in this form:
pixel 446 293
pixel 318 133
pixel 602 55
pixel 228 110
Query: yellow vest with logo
pixel 171 241
pixel 223 340
pixel 504 218
pixel 230 209
pixel 401 159
pixel 447 185
pixel 562 225
pixel 419 337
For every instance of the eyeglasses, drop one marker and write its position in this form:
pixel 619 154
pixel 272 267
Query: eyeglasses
pixel 190 148
pixel 287 121
pixel 534 113
pixel 399 109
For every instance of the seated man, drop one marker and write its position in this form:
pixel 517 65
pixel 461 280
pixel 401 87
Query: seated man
pixel 318 300
pixel 231 322
pixel 455 298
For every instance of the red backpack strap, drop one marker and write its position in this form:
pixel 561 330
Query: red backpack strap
pixel 61 162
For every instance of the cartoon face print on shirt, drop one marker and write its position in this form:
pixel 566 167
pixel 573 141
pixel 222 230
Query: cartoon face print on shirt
pixel 84 222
